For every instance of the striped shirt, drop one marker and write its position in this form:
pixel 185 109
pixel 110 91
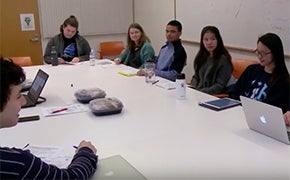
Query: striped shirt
pixel 21 164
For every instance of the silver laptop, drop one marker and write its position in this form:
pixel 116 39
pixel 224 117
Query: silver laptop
pixel 115 168
pixel 33 95
pixel 266 119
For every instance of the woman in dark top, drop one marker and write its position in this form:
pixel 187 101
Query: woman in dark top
pixel 268 81
pixel 212 65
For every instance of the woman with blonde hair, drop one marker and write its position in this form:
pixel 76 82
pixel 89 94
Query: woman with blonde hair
pixel 138 50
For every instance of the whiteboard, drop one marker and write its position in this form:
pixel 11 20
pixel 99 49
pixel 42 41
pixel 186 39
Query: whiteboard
pixel 240 22
pixel 94 16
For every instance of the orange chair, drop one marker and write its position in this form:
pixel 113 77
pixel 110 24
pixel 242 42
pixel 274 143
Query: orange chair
pixel 22 60
pixel 110 49
pixel 239 66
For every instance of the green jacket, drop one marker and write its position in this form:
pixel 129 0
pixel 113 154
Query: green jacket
pixel 146 53
pixel 82 44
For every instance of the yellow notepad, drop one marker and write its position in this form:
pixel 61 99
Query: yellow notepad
pixel 128 72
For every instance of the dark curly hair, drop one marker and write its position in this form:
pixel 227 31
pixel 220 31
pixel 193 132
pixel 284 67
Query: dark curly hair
pixel 10 74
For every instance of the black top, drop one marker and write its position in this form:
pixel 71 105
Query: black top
pixel 135 58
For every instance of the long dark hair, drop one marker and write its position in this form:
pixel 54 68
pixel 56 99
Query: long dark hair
pixel 131 44
pixel 218 52
pixel 274 43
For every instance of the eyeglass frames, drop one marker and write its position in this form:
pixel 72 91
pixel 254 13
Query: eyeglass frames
pixel 262 54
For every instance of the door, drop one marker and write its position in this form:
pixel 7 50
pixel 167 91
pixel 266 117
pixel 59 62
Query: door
pixel 17 39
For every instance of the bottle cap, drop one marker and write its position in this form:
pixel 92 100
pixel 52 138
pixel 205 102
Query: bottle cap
pixel 180 76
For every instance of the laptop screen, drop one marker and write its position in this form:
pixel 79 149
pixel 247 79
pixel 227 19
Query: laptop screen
pixel 37 85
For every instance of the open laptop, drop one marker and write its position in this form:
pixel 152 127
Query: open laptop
pixel 36 88
pixel 115 168
pixel 266 119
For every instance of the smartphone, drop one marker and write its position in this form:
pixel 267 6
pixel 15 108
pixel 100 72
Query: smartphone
pixel 28 118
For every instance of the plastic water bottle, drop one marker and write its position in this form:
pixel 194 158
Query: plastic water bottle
pixel 180 87
pixel 92 57
pixel 53 56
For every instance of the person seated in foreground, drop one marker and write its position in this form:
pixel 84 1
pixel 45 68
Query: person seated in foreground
pixel 17 163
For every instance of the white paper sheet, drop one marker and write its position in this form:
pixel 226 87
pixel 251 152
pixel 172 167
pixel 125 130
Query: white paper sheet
pixel 65 109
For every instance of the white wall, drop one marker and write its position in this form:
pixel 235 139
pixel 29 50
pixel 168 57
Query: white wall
pixel 153 15
pixel 93 40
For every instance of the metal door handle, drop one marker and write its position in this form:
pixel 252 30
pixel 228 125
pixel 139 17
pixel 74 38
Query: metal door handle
pixel 35 38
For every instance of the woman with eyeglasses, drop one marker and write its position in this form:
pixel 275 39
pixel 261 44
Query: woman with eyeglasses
pixel 268 81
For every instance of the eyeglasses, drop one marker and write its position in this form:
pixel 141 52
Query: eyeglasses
pixel 262 54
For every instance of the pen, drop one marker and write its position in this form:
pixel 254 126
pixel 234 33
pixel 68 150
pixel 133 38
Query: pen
pixel 75 147
pixel 59 110
pixel 155 82
pixel 26 146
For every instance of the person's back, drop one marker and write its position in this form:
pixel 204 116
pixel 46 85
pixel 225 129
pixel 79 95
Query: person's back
pixel 212 64
pixel 172 56
pixel 21 164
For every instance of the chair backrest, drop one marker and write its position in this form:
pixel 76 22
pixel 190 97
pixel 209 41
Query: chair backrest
pixel 22 60
pixel 110 49
pixel 240 65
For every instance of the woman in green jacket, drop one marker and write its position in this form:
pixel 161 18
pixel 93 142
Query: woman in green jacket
pixel 138 50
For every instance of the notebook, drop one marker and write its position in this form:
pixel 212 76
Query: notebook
pixel 116 167
pixel 266 119
pixel 220 104
pixel 36 88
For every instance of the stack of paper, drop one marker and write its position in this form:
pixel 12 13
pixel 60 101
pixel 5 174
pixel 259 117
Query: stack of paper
pixel 51 155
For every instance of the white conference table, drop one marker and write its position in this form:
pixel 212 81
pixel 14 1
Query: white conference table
pixel 160 136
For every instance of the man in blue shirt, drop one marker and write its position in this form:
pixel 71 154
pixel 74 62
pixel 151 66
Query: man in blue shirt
pixel 172 56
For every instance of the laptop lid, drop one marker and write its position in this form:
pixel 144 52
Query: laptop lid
pixel 265 119
pixel 37 86
pixel 116 167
